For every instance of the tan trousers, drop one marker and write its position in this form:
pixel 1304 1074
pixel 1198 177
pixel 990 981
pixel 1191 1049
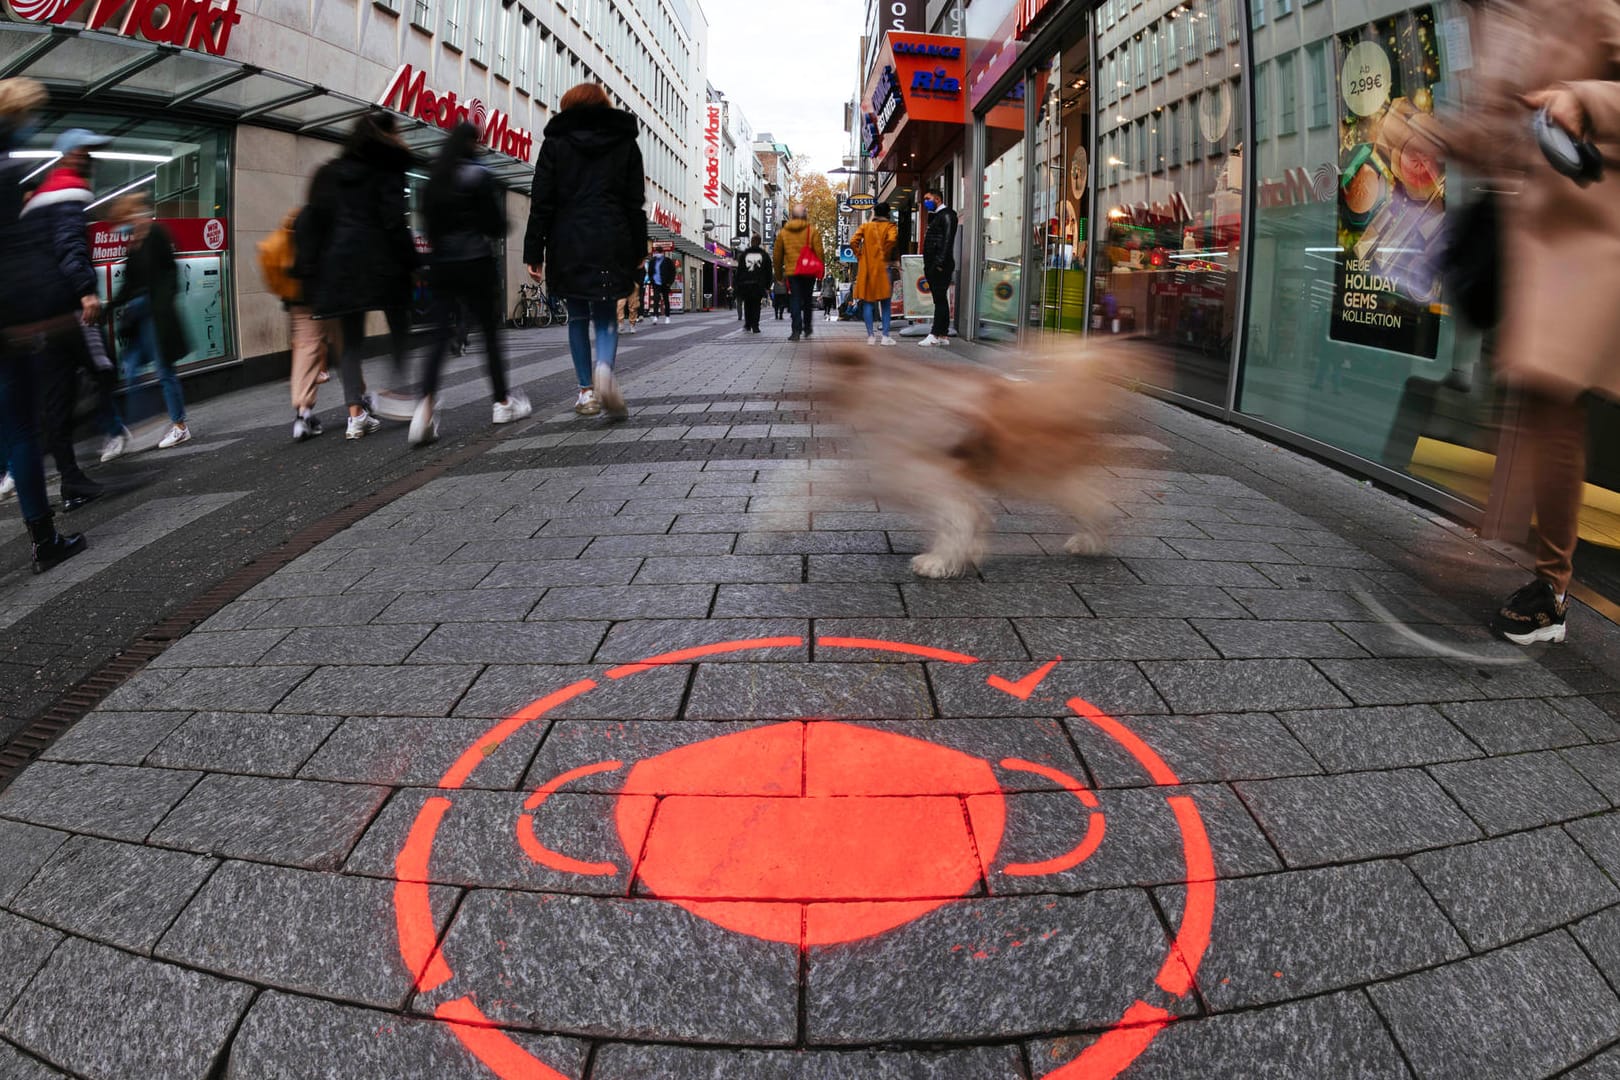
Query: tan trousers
pixel 630 306
pixel 312 339
pixel 1554 432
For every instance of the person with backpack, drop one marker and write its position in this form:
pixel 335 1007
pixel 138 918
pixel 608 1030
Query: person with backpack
pixel 753 282
pixel 310 338
pixel 27 309
pixel 147 309
pixel 356 253
pixel 465 219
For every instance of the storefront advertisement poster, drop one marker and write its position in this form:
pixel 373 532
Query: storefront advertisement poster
pixel 915 300
pixel 1391 191
pixel 202 306
pixel 998 295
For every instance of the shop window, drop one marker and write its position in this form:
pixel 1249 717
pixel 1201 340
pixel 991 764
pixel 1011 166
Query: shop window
pixel 422 15
pixel 1262 102
pixel 1316 60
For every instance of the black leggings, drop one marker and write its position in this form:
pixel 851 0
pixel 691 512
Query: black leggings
pixel 473 284
pixel 354 343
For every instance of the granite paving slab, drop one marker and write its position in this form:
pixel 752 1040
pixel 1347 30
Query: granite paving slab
pixel 348 644
pixel 808 600
pixel 497 551
pixel 15 1065
pixel 224 649
pixel 303 823
pixel 1599 935
pixel 331 935
pixel 1600 765
pixel 1242 746
pixel 1113 639
pixel 573 744
pixel 114 738
pixel 1598 835
pixel 286 1035
pixel 1161 601
pixel 379 690
pixel 1530 1009
pixel 24 948
pixel 1058 566
pixel 1242 639
pixel 720 569
pixel 948 599
pixel 104 800
pixel 116 893
pixel 635 640
pixel 1208 686
pixel 262 743
pixel 416 751
pixel 236 689
pixel 27 848
pixel 502 690
pixel 579 965
pixel 510 643
pixel 844 542
pixel 646 546
pixel 983 638
pixel 462 606
pixel 639 1061
pixel 860 567
pixel 1380 737
pixel 1519 792
pixel 1114 687
pixel 749 691
pixel 1317 820
pixel 102 1013
pixel 626 602
pixel 350 609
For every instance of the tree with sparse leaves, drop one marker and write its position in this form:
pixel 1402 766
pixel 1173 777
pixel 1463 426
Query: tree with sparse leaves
pixel 820 197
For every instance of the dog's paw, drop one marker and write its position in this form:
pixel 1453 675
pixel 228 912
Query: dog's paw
pixel 1086 542
pixel 930 565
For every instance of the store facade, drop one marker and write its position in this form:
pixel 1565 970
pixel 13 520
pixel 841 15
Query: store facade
pixel 1234 181
pixel 223 114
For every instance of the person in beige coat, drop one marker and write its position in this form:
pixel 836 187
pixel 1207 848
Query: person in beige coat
pixel 874 247
pixel 1559 335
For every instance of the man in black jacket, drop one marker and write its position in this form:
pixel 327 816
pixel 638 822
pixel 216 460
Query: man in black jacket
pixel 661 276
pixel 939 263
pixel 753 282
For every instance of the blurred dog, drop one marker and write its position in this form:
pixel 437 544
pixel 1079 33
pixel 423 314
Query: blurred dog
pixel 941 438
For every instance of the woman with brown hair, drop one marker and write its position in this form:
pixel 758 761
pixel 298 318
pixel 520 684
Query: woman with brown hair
pixel 874 245
pixel 148 315
pixel 588 232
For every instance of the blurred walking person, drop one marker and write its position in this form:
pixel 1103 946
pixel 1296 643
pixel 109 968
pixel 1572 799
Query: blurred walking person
pixel 587 231
pixel 874 247
pixel 791 241
pixel 779 297
pixel 829 298
pixel 630 307
pixel 939 263
pixel 27 308
pixel 147 312
pixel 310 338
pixel 465 220
pixel 754 280
pixel 356 253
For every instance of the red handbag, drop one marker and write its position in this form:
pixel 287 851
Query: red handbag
pixel 809 263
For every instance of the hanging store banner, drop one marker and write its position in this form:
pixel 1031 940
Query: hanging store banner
pixel 739 225
pixel 711 156
pixel 1391 191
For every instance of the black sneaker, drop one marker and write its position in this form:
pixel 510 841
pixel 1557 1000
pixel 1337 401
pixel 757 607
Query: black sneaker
pixel 78 492
pixel 1532 614
pixel 793 337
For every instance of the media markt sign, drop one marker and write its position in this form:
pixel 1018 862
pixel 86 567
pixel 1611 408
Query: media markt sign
pixel 204 25
pixel 711 156
pixel 408 93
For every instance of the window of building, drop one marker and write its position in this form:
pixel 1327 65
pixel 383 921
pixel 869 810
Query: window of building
pixel 503 40
pixel 454 22
pixel 1316 59
pixel 1258 13
pixel 1284 7
pixel 1234 12
pixel 422 15
pixel 478 31
pixel 1142 145
pixel 1124 80
pixel 1156 130
pixel 1172 47
pixel 1172 126
pixel 525 44
pixel 388 5
pixel 1212 26
pixel 1287 94
pixel 1155 57
pixel 1141 62
pixel 1262 102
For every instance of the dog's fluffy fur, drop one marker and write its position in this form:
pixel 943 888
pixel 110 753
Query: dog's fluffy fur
pixel 941 438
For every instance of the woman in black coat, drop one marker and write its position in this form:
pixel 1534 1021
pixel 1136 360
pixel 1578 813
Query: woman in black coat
pixel 588 230
pixel 466 216
pixel 355 250
pixel 148 315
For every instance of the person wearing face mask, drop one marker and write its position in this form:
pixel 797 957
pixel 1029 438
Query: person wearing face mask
pixel 147 309
pixel 939 263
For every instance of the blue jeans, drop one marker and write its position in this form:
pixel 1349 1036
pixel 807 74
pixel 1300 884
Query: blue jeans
pixel 19 433
pixel 582 315
pixel 143 350
pixel 869 310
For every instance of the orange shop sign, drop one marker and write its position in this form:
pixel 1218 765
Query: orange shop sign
pixel 931 70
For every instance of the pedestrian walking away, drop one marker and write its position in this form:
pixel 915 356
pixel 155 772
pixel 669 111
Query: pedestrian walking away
pixel 466 219
pixel 29 301
pixel 310 338
pixel 874 246
pixel 587 230
pixel 356 253
pixel 754 281
pixel 779 297
pixel 829 298
pixel 1558 340
pixel 792 240
pixel 939 263
pixel 148 318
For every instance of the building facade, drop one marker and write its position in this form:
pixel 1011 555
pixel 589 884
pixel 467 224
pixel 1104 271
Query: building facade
pixel 1233 180
pixel 224 113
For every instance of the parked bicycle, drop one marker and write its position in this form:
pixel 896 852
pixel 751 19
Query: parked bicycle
pixel 535 308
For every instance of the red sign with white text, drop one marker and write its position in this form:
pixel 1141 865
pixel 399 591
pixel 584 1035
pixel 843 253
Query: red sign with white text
pixel 109 244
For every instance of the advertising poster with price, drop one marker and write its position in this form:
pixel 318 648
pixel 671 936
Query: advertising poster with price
pixel 1392 192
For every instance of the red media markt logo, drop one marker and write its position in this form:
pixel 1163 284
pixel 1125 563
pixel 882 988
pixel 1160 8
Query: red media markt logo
pixel 756 826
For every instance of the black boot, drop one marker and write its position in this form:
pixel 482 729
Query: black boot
pixel 50 546
pixel 79 490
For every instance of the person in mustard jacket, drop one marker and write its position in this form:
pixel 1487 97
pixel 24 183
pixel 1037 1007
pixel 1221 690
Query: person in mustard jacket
pixel 874 246
pixel 791 240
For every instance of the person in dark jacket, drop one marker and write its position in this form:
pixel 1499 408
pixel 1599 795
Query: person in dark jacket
pixel 754 279
pixel 661 276
pixel 587 229
pixel 59 208
pixel 147 311
pixel 465 219
pixel 356 253
pixel 26 309
pixel 939 263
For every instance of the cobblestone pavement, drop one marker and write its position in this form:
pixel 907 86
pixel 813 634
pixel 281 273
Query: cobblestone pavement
pixel 636 751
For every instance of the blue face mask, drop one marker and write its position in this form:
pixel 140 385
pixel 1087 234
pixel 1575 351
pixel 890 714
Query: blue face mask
pixel 930 205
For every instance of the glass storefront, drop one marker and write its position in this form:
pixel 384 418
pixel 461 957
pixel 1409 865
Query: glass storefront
pixel 184 168
pixel 1062 186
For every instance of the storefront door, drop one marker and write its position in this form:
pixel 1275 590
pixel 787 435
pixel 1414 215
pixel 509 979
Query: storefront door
pixel 1060 182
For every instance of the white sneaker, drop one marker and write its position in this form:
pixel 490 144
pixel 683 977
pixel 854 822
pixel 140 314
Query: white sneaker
pixel 887 340
pixel 931 340
pixel 515 407
pixel 115 445
pixel 666 320
pixel 361 426
pixel 871 339
pixel 607 388
pixel 424 424
pixel 175 437
pixel 586 404
pixel 632 329
pixel 300 429
pixel 8 486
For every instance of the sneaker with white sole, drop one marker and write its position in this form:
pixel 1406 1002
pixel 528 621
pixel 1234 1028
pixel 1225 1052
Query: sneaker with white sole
pixel 424 424
pixel 115 445
pixel 887 340
pixel 930 341
pixel 586 404
pixel 361 426
pixel 177 435
pixel 632 329
pixel 666 320
pixel 607 389
pixel 1532 614
pixel 300 428
pixel 871 339
pixel 515 407
pixel 8 486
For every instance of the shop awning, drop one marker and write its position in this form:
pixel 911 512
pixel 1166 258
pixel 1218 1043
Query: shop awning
pixel 84 68
pixel 662 234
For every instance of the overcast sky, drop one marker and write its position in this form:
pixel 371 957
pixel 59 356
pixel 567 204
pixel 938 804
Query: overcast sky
pixel 789 65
